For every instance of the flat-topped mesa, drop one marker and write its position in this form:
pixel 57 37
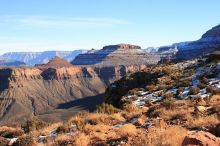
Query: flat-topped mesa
pixel 121 46
pixel 117 55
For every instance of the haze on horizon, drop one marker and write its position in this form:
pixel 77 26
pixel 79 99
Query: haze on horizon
pixel 67 25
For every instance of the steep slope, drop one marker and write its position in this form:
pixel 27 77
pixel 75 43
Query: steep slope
pixel 32 58
pixel 26 92
pixel 115 55
pixel 209 42
pixel 198 78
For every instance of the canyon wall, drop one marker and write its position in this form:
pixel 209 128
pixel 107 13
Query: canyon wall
pixel 26 92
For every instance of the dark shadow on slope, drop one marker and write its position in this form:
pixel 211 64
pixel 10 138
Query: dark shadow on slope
pixel 88 103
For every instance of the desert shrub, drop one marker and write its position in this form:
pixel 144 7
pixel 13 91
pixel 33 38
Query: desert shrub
pixel 150 88
pixel 180 90
pixel 153 112
pixel 82 140
pixel 127 130
pixel 9 132
pixel 62 129
pixel 194 90
pixel 107 109
pixel 161 87
pixel 199 122
pixel 202 86
pixel 168 101
pixel 204 80
pixel 63 140
pixel 130 108
pixel 171 136
pixel 135 97
pixel 168 95
pixel 148 102
pixel 34 124
pixel 209 89
pixel 24 141
pixel 198 101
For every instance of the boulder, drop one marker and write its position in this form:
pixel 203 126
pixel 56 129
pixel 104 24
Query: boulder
pixel 201 139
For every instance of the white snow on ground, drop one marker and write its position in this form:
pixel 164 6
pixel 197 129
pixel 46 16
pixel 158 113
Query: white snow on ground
pixel 143 93
pixel 184 94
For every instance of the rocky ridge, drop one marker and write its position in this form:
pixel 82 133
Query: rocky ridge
pixel 115 55
pixel 32 58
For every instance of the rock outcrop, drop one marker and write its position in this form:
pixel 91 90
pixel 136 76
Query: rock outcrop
pixel 57 62
pixel 201 139
pixel 115 55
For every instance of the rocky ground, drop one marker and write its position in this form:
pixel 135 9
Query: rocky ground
pixel 166 105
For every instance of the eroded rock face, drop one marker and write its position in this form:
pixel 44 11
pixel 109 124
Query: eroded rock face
pixel 214 32
pixel 201 139
pixel 31 91
pixel 209 42
pixel 116 55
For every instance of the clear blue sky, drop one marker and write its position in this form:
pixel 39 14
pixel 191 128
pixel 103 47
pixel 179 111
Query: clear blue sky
pixel 36 25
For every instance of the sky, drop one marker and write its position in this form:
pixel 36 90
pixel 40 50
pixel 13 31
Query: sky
pixel 38 25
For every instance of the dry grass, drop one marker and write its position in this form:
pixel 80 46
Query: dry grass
pixel 82 140
pixel 47 130
pixel 171 136
pixel 203 121
pixel 118 117
pixel 215 100
pixel 127 130
pixel 100 132
pixel 63 140
pixel 10 132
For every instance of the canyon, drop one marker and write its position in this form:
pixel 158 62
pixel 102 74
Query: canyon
pixel 56 90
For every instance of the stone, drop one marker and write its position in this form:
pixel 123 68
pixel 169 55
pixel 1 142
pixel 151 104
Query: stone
pixel 201 139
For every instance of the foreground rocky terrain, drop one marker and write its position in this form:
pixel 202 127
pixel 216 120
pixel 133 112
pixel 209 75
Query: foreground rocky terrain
pixel 173 104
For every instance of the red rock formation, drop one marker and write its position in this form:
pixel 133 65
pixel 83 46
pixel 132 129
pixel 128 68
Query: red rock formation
pixel 201 139
pixel 57 62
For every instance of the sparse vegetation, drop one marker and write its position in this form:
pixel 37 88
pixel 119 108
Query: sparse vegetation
pixel 107 108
